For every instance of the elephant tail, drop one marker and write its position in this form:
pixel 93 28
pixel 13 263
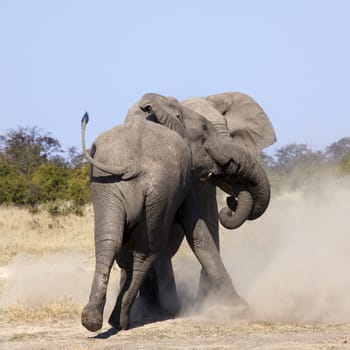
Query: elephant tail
pixel 125 173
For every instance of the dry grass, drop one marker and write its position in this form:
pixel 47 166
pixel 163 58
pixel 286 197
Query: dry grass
pixel 41 234
pixel 54 312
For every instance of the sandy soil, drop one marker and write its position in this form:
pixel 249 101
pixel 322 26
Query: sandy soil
pixel 291 266
pixel 182 333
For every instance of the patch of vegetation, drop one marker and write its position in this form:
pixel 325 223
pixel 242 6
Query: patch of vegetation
pixel 43 234
pixel 24 336
pixel 64 309
pixel 36 173
pixel 296 164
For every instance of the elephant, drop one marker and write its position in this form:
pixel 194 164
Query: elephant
pixel 142 186
pixel 245 129
pixel 239 118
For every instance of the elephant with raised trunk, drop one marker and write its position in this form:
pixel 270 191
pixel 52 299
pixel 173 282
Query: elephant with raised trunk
pixel 142 185
pixel 244 129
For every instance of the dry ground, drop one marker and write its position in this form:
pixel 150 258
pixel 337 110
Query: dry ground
pixel 45 273
pixel 182 333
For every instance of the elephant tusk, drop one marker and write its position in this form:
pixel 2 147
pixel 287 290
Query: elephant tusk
pixel 205 178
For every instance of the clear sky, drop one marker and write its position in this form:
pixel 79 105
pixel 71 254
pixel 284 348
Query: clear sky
pixel 60 58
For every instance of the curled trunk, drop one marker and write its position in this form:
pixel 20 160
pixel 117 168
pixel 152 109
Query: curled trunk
pixel 249 173
pixel 234 215
pixel 246 181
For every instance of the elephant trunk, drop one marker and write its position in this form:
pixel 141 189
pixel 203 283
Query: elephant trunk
pixel 234 215
pixel 245 180
pixel 254 178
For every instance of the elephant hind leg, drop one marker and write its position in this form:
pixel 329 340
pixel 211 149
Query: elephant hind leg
pixel 149 291
pixel 159 291
pixel 109 230
pixel 120 317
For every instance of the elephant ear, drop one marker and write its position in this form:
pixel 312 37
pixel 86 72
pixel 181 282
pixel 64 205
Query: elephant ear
pixel 246 121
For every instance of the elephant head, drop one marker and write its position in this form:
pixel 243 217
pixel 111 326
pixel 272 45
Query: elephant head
pixel 214 157
pixel 240 119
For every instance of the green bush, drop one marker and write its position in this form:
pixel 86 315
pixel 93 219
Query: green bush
pixel 33 172
pixel 345 166
pixel 51 182
pixel 79 186
pixel 12 184
pixel 61 189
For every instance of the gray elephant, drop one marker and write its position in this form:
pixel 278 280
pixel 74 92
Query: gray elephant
pixel 142 185
pixel 240 119
pixel 245 129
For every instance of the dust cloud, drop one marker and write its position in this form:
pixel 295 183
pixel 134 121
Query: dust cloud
pixel 36 281
pixel 291 265
pixel 39 280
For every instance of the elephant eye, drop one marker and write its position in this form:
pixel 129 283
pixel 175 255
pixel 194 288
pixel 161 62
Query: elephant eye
pixel 204 127
pixel 179 117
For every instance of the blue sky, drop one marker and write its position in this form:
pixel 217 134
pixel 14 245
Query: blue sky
pixel 60 58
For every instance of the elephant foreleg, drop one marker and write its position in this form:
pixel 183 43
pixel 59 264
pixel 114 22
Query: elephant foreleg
pixel 203 246
pixel 206 197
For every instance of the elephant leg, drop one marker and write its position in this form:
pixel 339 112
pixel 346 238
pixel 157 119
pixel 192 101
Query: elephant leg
pixel 168 297
pixel 123 277
pixel 109 228
pixel 120 317
pixel 159 289
pixel 124 261
pixel 206 199
pixel 149 291
pixel 203 246
pixel 167 294
pixel 206 195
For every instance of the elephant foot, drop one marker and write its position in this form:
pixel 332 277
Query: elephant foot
pixel 235 302
pixel 91 318
pixel 120 321
pixel 225 310
pixel 240 307
pixel 236 307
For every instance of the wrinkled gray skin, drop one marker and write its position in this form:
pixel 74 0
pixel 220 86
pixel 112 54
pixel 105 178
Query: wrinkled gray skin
pixel 243 130
pixel 142 187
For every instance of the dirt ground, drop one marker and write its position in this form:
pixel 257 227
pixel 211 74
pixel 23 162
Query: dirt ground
pixel 291 266
pixel 182 333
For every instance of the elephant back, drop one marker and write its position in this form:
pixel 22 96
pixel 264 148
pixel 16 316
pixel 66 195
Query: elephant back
pixel 151 147
pixel 165 155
